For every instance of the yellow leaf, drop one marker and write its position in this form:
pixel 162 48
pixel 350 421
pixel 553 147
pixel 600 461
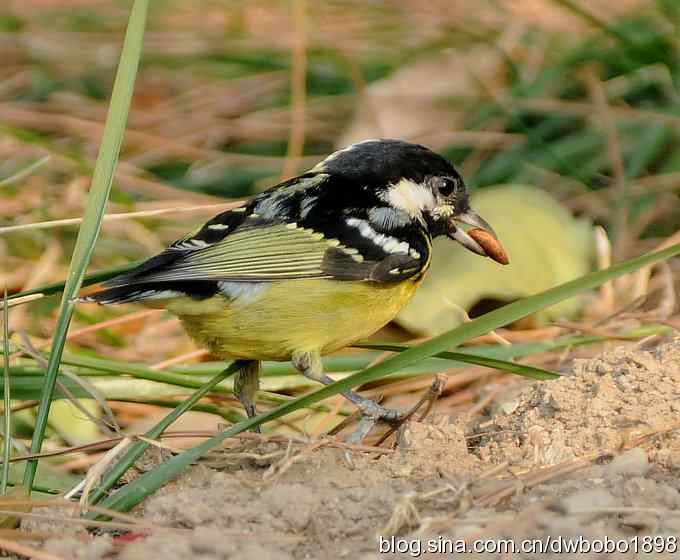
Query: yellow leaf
pixel 72 424
pixel 546 246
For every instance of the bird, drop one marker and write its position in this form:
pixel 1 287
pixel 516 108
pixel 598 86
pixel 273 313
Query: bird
pixel 311 265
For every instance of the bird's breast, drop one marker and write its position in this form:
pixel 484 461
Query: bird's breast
pixel 279 318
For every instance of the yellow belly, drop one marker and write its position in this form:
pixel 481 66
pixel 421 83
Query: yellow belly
pixel 292 316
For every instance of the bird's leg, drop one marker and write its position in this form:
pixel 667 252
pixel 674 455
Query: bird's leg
pixel 310 365
pixel 246 384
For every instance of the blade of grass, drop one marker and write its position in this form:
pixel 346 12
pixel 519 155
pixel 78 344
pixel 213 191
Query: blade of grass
pixel 183 380
pixel 100 188
pixel 137 449
pixel 521 350
pixel 37 488
pixel 485 361
pixel 138 371
pixel 133 493
pixel 25 172
pixel 189 376
pixel 7 412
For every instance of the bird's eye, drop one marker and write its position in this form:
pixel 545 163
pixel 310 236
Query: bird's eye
pixel 447 186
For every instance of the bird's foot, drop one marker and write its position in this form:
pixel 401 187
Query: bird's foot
pixel 251 413
pixel 371 414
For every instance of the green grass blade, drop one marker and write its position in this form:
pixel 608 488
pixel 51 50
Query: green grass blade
pixel 25 172
pixel 101 366
pixel 478 360
pixel 7 400
pixel 502 352
pixel 138 448
pixel 138 371
pixel 100 188
pixel 130 495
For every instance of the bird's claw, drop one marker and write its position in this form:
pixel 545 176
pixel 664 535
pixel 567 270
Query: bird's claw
pixel 371 409
pixel 371 414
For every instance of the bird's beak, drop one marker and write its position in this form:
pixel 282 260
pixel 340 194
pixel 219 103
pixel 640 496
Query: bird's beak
pixel 481 239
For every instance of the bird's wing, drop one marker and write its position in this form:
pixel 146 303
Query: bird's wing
pixel 235 246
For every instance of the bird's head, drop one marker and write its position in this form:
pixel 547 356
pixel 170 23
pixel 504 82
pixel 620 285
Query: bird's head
pixel 418 183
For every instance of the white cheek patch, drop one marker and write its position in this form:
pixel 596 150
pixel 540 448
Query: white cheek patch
pixel 412 198
pixel 388 243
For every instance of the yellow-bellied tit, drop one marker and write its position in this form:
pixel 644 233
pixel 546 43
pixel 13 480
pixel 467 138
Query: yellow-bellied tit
pixel 311 265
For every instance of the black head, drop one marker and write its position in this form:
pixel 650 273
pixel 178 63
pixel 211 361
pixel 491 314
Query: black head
pixel 413 179
pixel 386 161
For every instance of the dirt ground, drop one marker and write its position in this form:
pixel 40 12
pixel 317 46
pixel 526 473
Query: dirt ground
pixel 592 454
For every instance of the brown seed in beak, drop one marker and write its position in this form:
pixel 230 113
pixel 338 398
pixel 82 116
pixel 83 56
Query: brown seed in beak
pixel 490 244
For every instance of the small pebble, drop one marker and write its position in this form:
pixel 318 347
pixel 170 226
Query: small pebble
pixel 641 521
